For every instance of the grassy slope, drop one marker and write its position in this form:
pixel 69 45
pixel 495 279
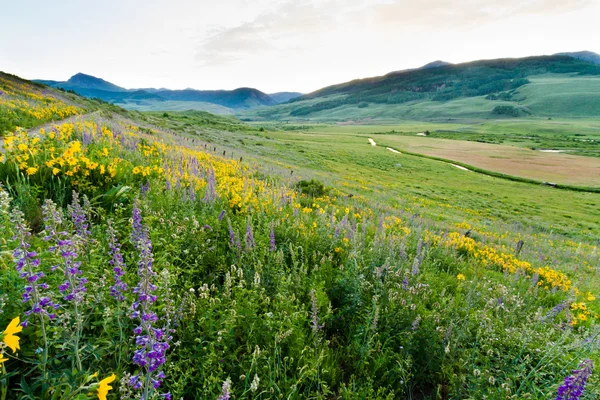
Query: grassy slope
pixel 175 105
pixel 546 96
pixel 338 155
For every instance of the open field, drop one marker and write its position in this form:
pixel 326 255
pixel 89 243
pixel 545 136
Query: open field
pixel 542 166
pixel 342 156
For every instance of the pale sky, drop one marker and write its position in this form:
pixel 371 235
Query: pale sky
pixel 277 45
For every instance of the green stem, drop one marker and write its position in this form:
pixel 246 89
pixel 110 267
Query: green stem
pixel 5 385
pixel 77 336
pixel 45 358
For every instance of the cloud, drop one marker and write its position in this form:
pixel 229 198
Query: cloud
pixel 326 27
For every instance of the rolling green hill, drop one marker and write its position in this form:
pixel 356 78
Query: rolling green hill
pixel 219 101
pixel 533 86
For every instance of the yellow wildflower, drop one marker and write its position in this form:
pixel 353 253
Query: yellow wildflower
pixel 31 170
pixel 104 387
pixel 9 338
pixel 590 297
pixel 461 277
pixel 55 171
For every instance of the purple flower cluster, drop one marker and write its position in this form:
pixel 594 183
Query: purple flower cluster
pixel 574 385
pixel 314 315
pixel 79 216
pixel 152 341
pixel 73 287
pixel 117 263
pixel 27 264
pixel 272 246
pixel 250 243
pixel 225 391
pixel 210 193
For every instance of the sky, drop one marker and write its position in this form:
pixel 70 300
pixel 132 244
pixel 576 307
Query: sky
pixel 277 45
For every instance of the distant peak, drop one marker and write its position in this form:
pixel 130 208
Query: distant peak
pixel 584 55
pixel 435 64
pixel 91 82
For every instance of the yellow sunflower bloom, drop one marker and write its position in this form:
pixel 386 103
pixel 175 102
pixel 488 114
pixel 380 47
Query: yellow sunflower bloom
pixel 104 387
pixel 9 337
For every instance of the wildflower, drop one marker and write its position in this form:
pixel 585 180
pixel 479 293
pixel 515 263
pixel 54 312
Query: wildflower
pixel 254 384
pixel 79 216
pixel 27 263
pixel 152 342
pixel 31 170
pixel 103 387
pixel 574 385
pixel 226 390
pixel 272 246
pixel 9 335
pixel 249 236
pixel 461 277
pixel 314 313
pixel 210 194
pixel 117 262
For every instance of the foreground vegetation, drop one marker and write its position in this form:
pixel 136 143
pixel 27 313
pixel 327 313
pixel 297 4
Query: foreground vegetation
pixel 146 264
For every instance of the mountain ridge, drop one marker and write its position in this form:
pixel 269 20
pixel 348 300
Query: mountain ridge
pixel 94 87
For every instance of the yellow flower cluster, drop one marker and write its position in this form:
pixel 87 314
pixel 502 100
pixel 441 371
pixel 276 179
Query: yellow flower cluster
pixel 488 256
pixel 29 100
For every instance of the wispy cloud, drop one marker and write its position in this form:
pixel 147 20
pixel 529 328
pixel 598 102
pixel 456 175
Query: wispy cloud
pixel 294 25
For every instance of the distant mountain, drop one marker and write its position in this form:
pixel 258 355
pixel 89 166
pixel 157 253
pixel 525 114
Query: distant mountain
pixel 583 55
pixel 242 98
pixel 435 64
pixel 90 82
pixel 282 97
pixel 158 99
pixel 441 90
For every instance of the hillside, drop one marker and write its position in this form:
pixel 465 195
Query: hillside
pixel 282 97
pixel 188 255
pixel 583 55
pixel 149 99
pixel 480 89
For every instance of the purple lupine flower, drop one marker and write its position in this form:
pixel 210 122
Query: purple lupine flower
pixel 53 218
pixel 86 139
pixel 152 342
pixel 79 216
pixel 314 315
pixel 211 184
pixel 117 263
pixel 557 310
pixel 168 184
pixel 144 188
pixel 405 283
pixel 27 263
pixel 250 243
pixel 222 215
pixel 73 288
pixel 272 246
pixel 226 390
pixel 192 193
pixel 574 385
pixel 415 324
pixel 137 231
